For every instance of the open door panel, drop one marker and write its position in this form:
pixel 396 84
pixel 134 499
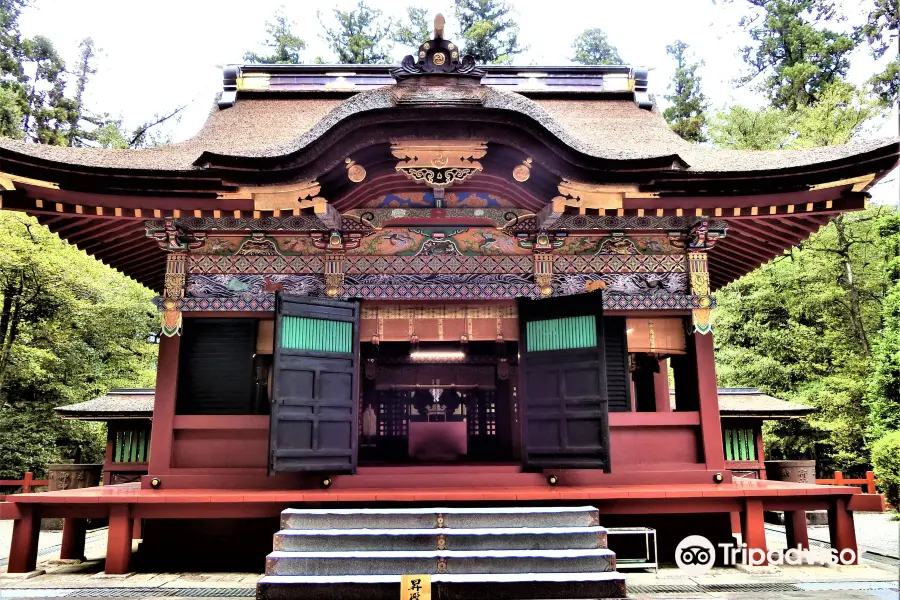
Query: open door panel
pixel 563 383
pixel 316 380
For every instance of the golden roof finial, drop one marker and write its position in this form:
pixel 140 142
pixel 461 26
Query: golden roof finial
pixel 439 27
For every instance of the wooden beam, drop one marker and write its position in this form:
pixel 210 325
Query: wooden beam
pixel 759 231
pixel 104 242
pixel 104 227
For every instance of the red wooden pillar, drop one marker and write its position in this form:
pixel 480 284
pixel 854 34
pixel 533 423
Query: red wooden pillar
pixel 754 530
pixel 661 387
pixel 118 543
pixel 841 531
pixel 160 460
pixel 795 529
pixel 73 534
pixel 708 391
pixel 24 548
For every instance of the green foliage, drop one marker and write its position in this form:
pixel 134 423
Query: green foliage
pixel 10 114
pixel 687 114
pixel 886 464
pixel 799 328
pixel 284 43
pixel 741 128
pixel 881 31
pixel 416 30
pixel 838 116
pixel 360 36
pixel 884 386
pixel 792 52
pixel 886 85
pixel 490 33
pixel 70 329
pixel 593 48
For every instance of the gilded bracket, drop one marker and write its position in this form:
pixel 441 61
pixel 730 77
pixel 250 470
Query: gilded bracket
pixel 175 282
pixel 699 272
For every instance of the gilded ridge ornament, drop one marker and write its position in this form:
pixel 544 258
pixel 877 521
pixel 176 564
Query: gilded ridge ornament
pixel 439 163
pixel 438 57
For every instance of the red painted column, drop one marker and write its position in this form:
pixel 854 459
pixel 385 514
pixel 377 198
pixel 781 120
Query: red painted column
pixel 710 423
pixel 735 521
pixel 24 548
pixel 118 543
pixel 161 435
pixel 841 529
pixel 795 529
pixel 73 534
pixel 661 387
pixel 754 530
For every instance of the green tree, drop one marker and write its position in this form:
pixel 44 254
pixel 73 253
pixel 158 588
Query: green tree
pixel 47 110
pixel 285 45
pixel 360 37
pixel 800 327
pixel 70 329
pixel 10 114
pixel 416 30
pixel 792 52
pixel 884 385
pixel 840 115
pixel 593 48
pixel 881 30
pixel 10 38
pixel 687 113
pixel 742 128
pixel 84 69
pixel 490 33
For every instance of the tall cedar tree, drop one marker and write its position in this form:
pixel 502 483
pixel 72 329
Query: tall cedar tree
pixel 285 45
pixel 416 30
pixel 83 71
pixel 490 33
pixel 881 30
pixel 593 48
pixel 687 114
pixel 360 36
pixel 793 53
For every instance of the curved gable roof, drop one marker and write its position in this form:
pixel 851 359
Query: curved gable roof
pixel 270 127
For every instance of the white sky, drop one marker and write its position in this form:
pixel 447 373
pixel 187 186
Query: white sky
pixel 161 54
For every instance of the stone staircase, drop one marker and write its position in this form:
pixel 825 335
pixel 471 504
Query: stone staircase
pixel 471 553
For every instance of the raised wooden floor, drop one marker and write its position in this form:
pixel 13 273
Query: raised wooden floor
pixel 125 503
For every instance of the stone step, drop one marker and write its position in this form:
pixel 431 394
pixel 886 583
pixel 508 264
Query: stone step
pixel 506 538
pixel 597 560
pixel 447 586
pixel 431 518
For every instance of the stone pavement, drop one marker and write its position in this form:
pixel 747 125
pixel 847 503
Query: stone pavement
pixel 870 581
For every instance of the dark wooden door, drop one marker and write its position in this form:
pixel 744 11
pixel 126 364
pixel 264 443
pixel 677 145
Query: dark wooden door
pixel 564 400
pixel 316 381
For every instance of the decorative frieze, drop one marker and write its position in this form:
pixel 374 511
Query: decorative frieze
pixel 439 163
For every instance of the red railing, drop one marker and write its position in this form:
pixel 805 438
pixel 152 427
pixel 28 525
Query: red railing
pixel 26 484
pixel 868 483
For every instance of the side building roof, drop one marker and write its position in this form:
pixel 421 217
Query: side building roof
pixel 116 404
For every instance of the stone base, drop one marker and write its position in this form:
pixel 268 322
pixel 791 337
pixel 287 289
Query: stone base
pixel 270 589
pixel 20 576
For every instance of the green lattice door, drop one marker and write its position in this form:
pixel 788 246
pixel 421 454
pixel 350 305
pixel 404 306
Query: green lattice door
pixel 316 379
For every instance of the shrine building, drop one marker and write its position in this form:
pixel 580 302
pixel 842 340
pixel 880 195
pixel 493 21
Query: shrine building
pixel 437 284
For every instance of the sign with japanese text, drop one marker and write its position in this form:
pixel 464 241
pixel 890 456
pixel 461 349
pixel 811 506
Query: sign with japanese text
pixel 415 587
